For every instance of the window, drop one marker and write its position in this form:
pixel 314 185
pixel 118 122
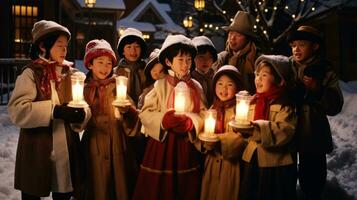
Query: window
pixel 23 16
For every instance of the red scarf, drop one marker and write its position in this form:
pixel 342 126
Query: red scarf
pixel 96 91
pixel 195 94
pixel 221 107
pixel 263 100
pixel 49 73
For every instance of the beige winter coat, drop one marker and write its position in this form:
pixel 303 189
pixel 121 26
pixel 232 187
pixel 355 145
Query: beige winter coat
pixel 111 168
pixel 272 139
pixel 46 158
pixel 221 178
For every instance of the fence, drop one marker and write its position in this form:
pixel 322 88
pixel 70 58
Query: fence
pixel 9 69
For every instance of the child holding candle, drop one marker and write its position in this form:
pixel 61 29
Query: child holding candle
pixel 170 168
pixel 269 168
pixel 47 154
pixel 111 168
pixel 221 178
pixel 132 49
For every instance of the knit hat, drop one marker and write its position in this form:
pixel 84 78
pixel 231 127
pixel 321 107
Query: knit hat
pixel 243 23
pixel 281 65
pixel 172 40
pixel 308 33
pixel 153 59
pixel 43 28
pixel 131 34
pixel 96 48
pixel 202 42
pixel 230 71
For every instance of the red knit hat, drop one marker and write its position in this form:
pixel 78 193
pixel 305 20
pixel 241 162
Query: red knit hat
pixel 96 48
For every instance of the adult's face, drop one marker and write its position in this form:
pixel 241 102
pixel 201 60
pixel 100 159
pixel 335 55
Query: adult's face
pixel 237 41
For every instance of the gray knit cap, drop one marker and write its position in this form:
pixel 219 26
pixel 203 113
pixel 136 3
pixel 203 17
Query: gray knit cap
pixel 42 28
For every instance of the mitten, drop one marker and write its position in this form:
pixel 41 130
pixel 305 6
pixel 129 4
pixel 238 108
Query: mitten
pixel 184 125
pixel 171 120
pixel 69 114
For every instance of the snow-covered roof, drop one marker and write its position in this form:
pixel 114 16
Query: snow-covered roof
pixel 107 4
pixel 160 9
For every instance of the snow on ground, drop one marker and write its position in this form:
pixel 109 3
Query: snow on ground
pixel 342 162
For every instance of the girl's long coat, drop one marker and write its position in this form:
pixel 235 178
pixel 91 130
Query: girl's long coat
pixel 221 178
pixel 170 168
pixel 47 157
pixel 111 168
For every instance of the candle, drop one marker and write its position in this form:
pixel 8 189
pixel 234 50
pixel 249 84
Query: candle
pixel 179 105
pixel 77 91
pixel 77 80
pixel 210 123
pixel 121 87
pixel 242 112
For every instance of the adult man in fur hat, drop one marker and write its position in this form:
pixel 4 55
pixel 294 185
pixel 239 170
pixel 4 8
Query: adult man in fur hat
pixel 318 95
pixel 240 48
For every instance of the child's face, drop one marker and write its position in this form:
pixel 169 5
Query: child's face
pixel 264 79
pixel 204 61
pixel 157 71
pixel 225 88
pixel 180 64
pixel 58 51
pixel 132 51
pixel 302 50
pixel 101 67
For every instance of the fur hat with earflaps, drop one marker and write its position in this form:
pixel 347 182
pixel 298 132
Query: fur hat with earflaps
pixel 202 42
pixel 308 33
pixel 96 48
pixel 131 35
pixel 44 28
pixel 174 40
pixel 243 23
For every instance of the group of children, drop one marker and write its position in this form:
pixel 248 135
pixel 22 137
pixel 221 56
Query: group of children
pixel 147 150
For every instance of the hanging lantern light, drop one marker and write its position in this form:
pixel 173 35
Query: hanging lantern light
pixel 199 4
pixel 90 3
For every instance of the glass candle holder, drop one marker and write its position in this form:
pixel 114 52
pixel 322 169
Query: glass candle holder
pixel 77 80
pixel 121 90
pixel 242 107
pixel 208 134
pixel 181 94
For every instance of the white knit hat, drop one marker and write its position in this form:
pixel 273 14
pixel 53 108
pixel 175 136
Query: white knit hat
pixel 203 41
pixel 129 33
pixel 42 28
pixel 172 40
pixel 96 48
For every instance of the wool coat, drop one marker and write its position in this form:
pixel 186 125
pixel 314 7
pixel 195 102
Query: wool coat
pixel 47 158
pixel 221 177
pixel 111 170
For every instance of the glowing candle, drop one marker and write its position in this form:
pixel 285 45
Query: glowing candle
pixel 77 80
pixel 210 123
pixel 121 82
pixel 242 112
pixel 179 102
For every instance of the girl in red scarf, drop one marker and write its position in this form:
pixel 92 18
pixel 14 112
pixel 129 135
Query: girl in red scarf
pixel 110 164
pixel 171 164
pixel 269 170
pixel 221 178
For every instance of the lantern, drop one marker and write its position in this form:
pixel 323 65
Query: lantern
pixel 210 124
pixel 121 88
pixel 199 4
pixel 77 80
pixel 90 3
pixel 181 94
pixel 242 107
